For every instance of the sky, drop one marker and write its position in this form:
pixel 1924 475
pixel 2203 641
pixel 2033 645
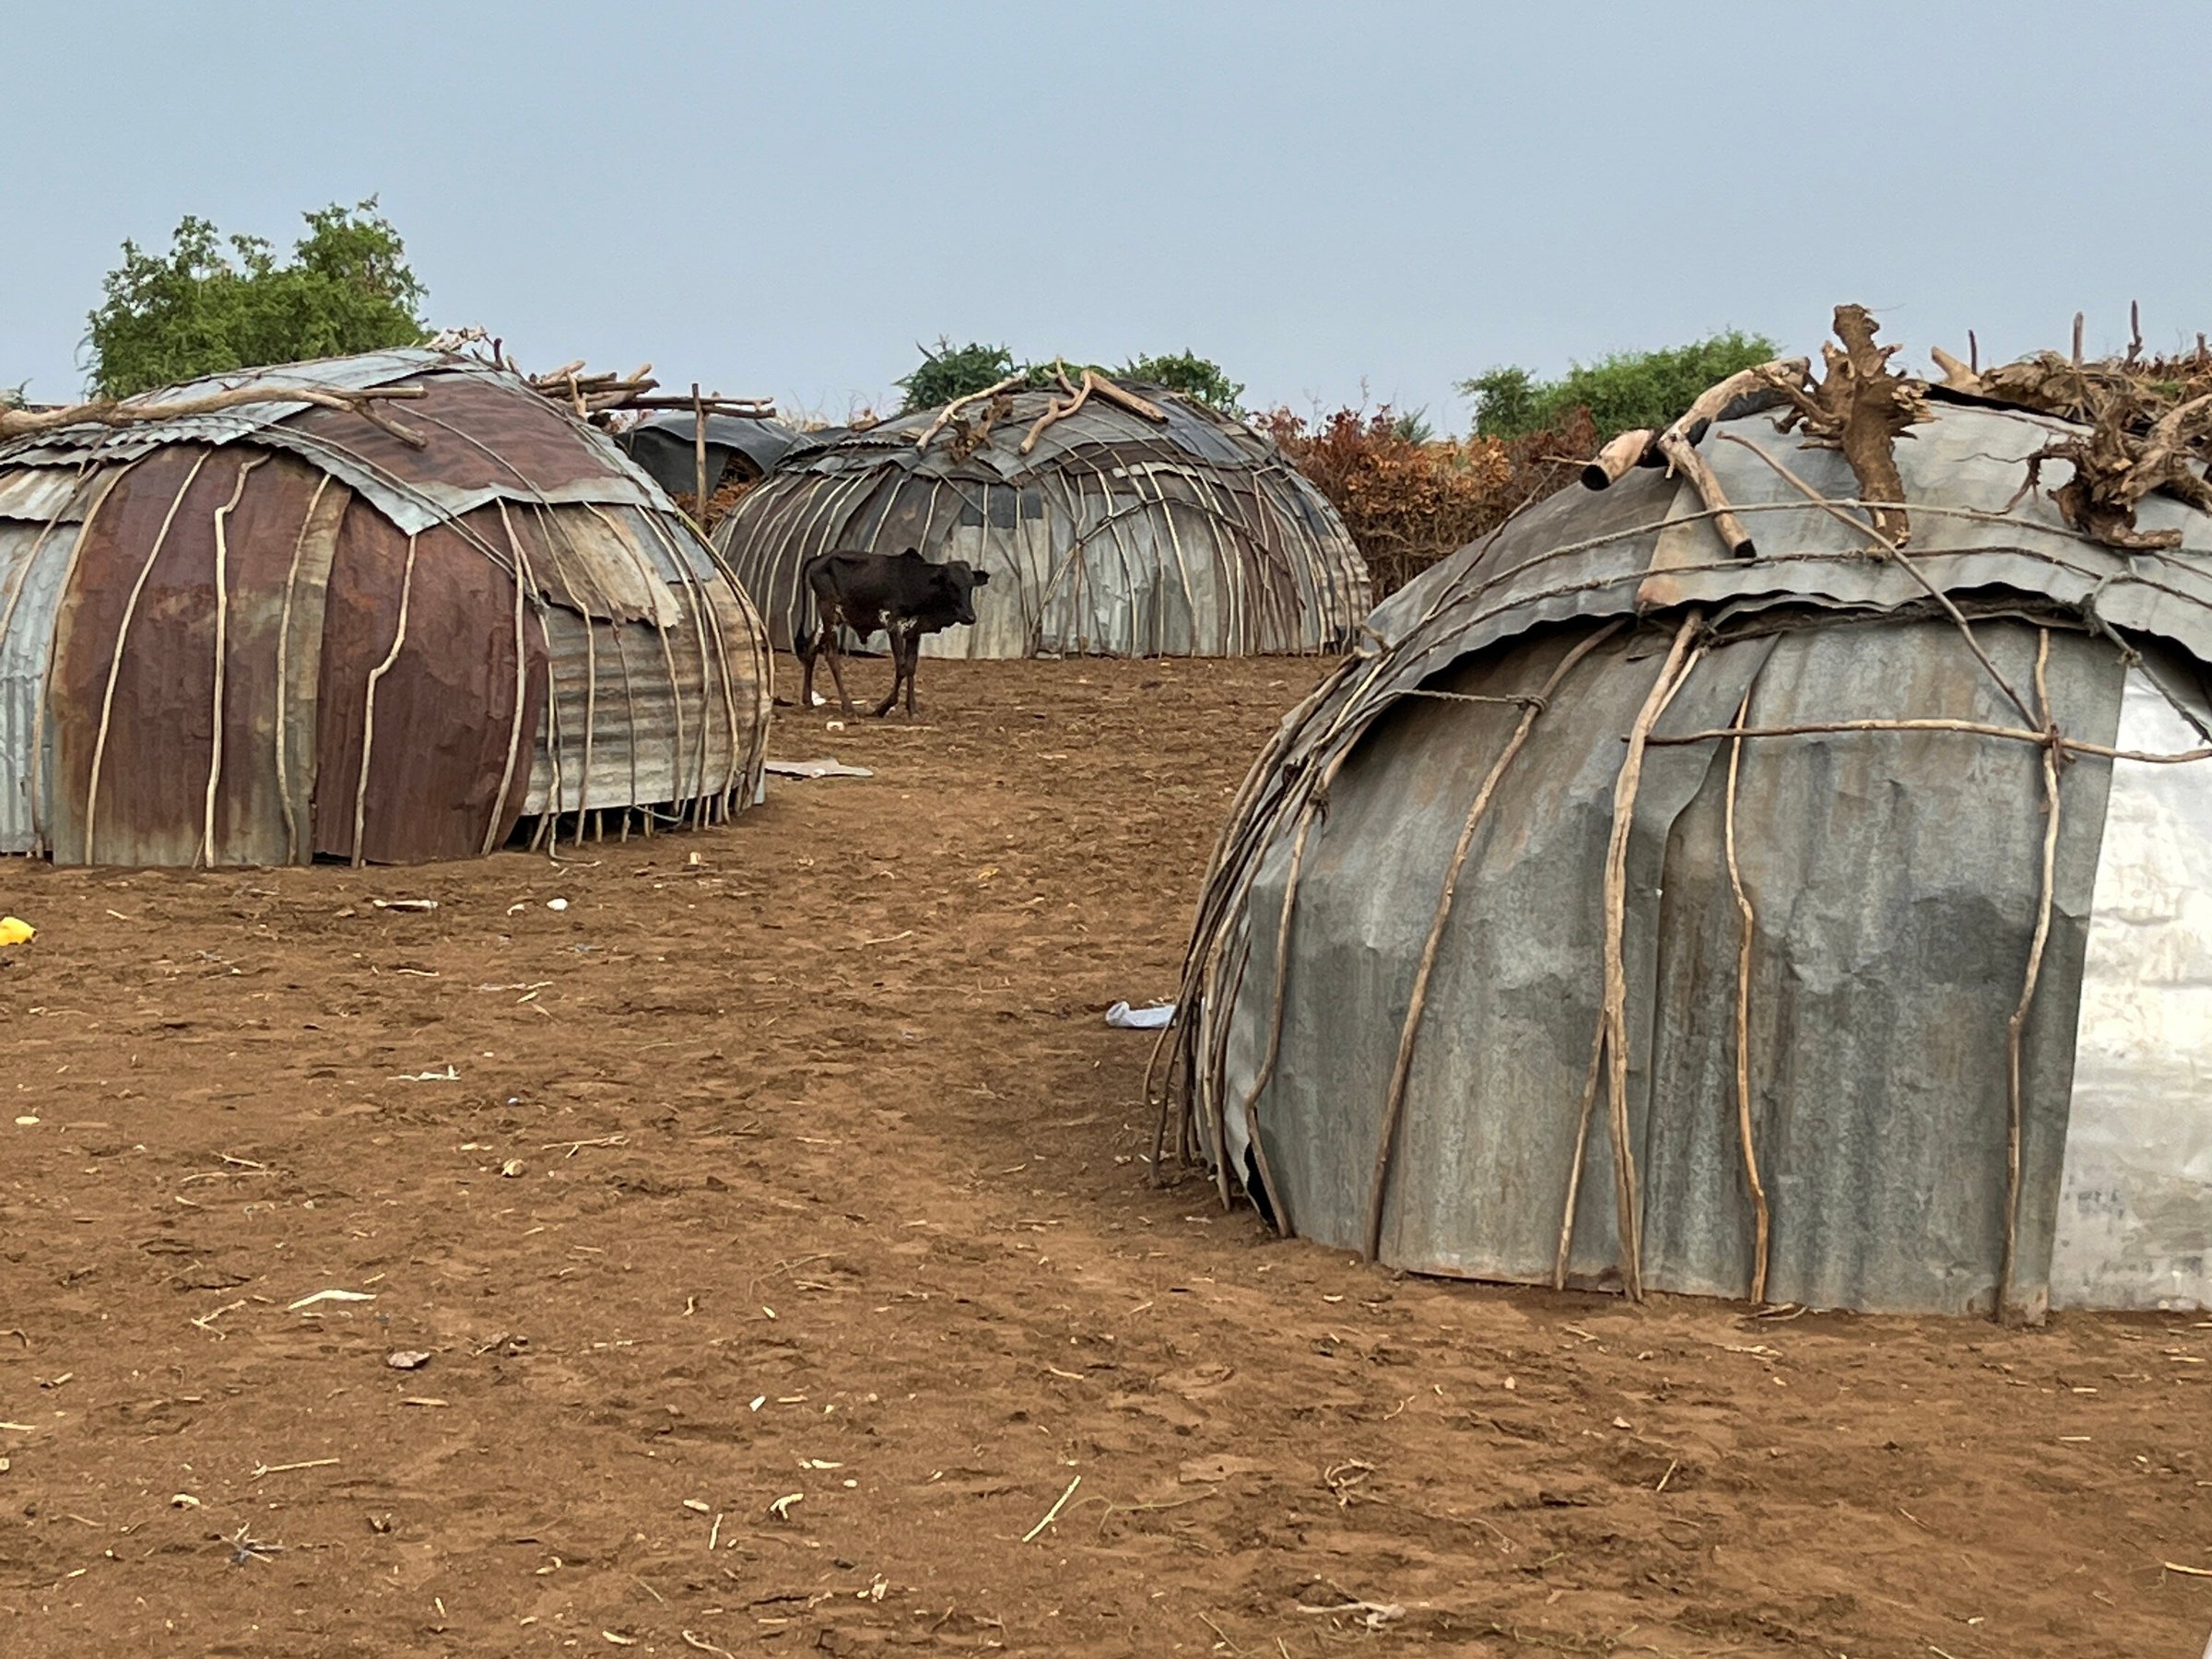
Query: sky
pixel 1336 202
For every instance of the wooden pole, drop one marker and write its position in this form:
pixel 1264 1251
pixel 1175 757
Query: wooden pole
pixel 698 458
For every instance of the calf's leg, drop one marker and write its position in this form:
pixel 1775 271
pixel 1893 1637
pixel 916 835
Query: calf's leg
pixel 900 637
pixel 825 642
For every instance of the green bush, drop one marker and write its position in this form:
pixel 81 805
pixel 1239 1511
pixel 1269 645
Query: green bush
pixel 950 372
pixel 203 309
pixel 1628 389
pixel 1189 373
pixel 947 371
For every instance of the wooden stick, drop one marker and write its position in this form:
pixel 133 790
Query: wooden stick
pixel 1393 1104
pixel 2016 1027
pixel 112 412
pixel 1621 454
pixel 1760 386
pixel 521 688
pixel 1761 1216
pixel 1274 1019
pixel 1685 460
pixel 1581 1151
pixel 1972 728
pixel 1672 675
pixel 123 630
pixel 284 674
pixel 699 459
pixel 1058 409
pixel 748 408
pixel 1127 399
pixel 1748 389
pixel 222 642
pixel 399 638
pixel 946 414
pixel 1053 1513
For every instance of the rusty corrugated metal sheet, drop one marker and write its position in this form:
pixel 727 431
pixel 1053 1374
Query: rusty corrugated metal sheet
pixel 1113 535
pixel 419 669
pixel 489 437
pixel 134 664
pixel 257 661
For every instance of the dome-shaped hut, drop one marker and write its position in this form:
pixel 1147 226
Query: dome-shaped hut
pixel 1140 524
pixel 386 612
pixel 1830 926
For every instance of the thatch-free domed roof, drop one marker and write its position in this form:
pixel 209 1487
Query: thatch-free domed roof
pixel 283 629
pixel 1629 912
pixel 1115 534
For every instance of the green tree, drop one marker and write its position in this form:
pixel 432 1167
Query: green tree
pixel 1187 372
pixel 1626 390
pixel 947 371
pixel 214 303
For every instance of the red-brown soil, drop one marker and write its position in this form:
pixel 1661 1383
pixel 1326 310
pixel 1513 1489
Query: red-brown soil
pixel 831 1187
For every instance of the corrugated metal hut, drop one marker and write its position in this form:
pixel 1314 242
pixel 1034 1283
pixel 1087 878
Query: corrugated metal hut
pixel 1832 926
pixel 290 629
pixel 1111 533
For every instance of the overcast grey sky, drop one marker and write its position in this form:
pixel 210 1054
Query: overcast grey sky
pixel 783 200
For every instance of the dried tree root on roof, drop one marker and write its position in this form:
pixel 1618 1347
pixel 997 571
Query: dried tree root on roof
pixel 1860 408
pixel 2114 469
pixel 946 414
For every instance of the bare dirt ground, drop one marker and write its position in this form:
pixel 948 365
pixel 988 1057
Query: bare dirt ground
pixel 829 1264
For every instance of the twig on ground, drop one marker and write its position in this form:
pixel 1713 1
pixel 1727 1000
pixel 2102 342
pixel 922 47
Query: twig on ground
pixel 1053 1513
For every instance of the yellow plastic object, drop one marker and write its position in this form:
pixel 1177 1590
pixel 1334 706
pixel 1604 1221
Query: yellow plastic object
pixel 14 931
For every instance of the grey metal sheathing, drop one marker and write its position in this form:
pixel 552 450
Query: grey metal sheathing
pixel 660 695
pixel 1114 536
pixel 34 559
pixel 1894 878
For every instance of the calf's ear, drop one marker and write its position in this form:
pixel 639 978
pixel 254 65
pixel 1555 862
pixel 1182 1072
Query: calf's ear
pixel 982 579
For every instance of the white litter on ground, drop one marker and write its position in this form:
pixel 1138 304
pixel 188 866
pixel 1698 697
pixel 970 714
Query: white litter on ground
pixel 1140 1020
pixel 824 767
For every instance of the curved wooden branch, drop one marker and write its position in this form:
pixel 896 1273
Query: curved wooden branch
pixel 1059 409
pixel 112 412
pixel 1631 449
pixel 1124 397
pixel 946 414
pixel 1746 392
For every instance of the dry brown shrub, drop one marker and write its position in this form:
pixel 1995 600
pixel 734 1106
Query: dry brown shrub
pixel 726 494
pixel 1410 503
